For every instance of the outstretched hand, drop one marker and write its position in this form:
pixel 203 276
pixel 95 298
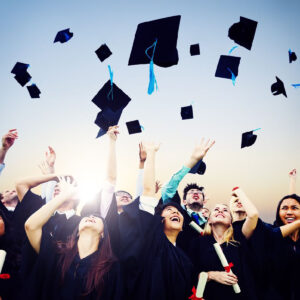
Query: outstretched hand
pixel 68 188
pixel 158 186
pixel 201 149
pixel 293 174
pixel 113 132
pixel 142 153
pixel 151 147
pixel 50 157
pixel 9 139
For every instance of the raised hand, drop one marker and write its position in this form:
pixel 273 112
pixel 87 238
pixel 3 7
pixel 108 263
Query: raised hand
pixel 142 153
pixel 9 139
pixel 201 149
pixel 158 186
pixel 293 173
pixel 44 167
pixel 113 132
pixel 151 147
pixel 68 188
pixel 50 157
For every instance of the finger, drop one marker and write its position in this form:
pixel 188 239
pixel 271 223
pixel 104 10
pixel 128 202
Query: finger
pixel 212 143
pixel 50 149
pixel 11 130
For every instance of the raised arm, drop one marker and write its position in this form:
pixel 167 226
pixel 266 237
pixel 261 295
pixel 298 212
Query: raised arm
pixel 251 211
pixel 111 175
pixel 199 152
pixel 288 229
pixel 36 221
pixel 25 184
pixel 140 178
pixel 7 141
pixel 292 183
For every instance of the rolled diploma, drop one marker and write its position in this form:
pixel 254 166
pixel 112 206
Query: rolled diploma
pixel 225 263
pixel 2 259
pixel 194 225
pixel 201 284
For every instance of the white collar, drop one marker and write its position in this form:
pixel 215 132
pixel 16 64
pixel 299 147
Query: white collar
pixel 10 208
pixel 69 213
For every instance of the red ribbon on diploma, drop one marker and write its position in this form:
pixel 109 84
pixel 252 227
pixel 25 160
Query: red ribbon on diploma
pixel 235 188
pixel 228 268
pixel 4 276
pixel 201 233
pixel 194 297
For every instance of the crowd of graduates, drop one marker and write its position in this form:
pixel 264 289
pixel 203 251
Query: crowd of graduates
pixel 122 247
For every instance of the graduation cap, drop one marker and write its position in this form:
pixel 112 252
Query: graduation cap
pixel 107 118
pixel 195 49
pixel 104 99
pixel 63 36
pixel 292 56
pixel 187 112
pixel 228 67
pixel 277 88
pixel 34 91
pixel 248 138
pixel 165 31
pixel 21 74
pixel 199 168
pixel 243 32
pixel 103 52
pixel 134 127
pixel 174 201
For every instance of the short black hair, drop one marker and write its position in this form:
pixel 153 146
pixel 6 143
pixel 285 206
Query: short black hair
pixel 278 222
pixel 192 186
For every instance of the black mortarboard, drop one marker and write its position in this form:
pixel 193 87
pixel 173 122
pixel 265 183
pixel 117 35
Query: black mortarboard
pixel 199 168
pixel 292 56
pixel 133 127
pixel 104 99
pixel 277 88
pixel 21 74
pixel 174 201
pixel 248 139
pixel 103 52
pixel 34 91
pixel 107 118
pixel 243 32
pixel 63 36
pixel 165 32
pixel 195 49
pixel 187 112
pixel 228 65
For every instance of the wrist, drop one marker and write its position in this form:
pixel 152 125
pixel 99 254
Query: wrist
pixel 210 275
pixel 141 164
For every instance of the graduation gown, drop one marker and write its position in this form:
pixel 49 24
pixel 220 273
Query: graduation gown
pixel 45 280
pixel 205 259
pixel 153 267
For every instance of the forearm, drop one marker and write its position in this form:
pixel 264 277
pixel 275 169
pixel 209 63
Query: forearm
pixel 139 182
pixel 292 186
pixel 2 154
pixel 288 229
pixel 112 163
pixel 149 175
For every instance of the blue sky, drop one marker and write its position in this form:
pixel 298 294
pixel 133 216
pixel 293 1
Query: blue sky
pixel 69 75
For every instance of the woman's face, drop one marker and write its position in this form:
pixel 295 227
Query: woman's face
pixel 220 214
pixel 91 223
pixel 173 219
pixel 289 211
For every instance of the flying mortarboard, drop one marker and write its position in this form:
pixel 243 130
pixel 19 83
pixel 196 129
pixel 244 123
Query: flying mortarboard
pixel 199 168
pixel 107 118
pixel 63 36
pixel 21 74
pixel 277 88
pixel 228 67
pixel 103 52
pixel 134 127
pixel 248 138
pixel 195 49
pixel 104 99
pixel 34 91
pixel 292 56
pixel 243 32
pixel 187 112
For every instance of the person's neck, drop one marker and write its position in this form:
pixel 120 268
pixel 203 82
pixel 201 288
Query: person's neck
pixel 195 209
pixel 218 231
pixel 295 235
pixel 239 216
pixel 120 209
pixel 87 243
pixel 65 207
pixel 171 235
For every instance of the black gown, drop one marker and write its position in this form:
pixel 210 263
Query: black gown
pixel 153 267
pixel 205 259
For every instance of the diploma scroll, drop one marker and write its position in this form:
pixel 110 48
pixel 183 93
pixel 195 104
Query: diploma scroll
pixel 194 225
pixel 225 264
pixel 2 259
pixel 201 284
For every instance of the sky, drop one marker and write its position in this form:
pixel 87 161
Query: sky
pixel 69 75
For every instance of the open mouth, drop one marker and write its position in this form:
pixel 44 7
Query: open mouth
pixel 220 215
pixel 290 219
pixel 90 220
pixel 196 197
pixel 175 219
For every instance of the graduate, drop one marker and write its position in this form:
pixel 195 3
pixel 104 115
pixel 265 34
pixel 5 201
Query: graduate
pixel 81 268
pixel 154 267
pixel 220 230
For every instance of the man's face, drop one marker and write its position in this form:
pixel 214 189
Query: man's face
pixel 123 198
pixel 10 198
pixel 205 212
pixel 194 199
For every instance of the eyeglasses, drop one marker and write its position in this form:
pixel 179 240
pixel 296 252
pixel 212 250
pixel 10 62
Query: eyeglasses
pixel 123 194
pixel 195 192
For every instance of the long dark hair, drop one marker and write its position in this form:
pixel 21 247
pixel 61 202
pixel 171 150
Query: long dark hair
pixel 278 222
pixel 101 264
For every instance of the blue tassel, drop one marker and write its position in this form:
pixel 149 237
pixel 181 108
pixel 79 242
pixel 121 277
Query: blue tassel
pixel 111 75
pixel 256 129
pixel 232 76
pixel 234 47
pixel 152 79
pixel 296 85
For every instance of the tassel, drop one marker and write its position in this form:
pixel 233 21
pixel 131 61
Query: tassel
pixel 234 47
pixel 297 85
pixel 152 79
pixel 232 76
pixel 111 75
